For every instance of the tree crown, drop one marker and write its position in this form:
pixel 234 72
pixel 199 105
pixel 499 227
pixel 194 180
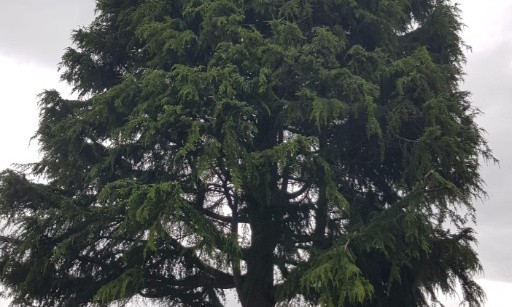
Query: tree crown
pixel 305 151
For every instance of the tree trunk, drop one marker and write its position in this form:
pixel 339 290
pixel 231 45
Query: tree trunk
pixel 258 284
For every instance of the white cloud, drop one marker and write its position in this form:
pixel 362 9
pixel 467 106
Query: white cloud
pixel 21 83
pixel 499 294
pixel 487 22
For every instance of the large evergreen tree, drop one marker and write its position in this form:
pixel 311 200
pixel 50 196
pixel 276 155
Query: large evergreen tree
pixel 297 151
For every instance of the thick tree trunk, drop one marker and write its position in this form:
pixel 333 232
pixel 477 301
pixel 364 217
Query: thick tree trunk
pixel 258 288
pixel 258 284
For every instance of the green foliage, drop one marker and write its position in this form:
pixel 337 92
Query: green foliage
pixel 301 151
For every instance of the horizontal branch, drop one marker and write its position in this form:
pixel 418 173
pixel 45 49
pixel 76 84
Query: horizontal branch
pixel 222 218
pixel 219 279
pixel 297 193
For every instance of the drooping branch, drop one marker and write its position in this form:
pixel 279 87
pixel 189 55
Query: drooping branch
pixel 219 279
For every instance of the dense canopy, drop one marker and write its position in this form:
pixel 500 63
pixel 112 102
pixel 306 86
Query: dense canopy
pixel 297 151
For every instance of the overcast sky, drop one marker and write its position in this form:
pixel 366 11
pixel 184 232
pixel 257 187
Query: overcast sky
pixel 34 34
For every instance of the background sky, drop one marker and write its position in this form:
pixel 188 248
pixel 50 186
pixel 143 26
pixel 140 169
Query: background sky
pixel 34 34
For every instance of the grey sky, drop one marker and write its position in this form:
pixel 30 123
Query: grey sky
pixel 38 31
pixel 34 34
pixel 489 78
